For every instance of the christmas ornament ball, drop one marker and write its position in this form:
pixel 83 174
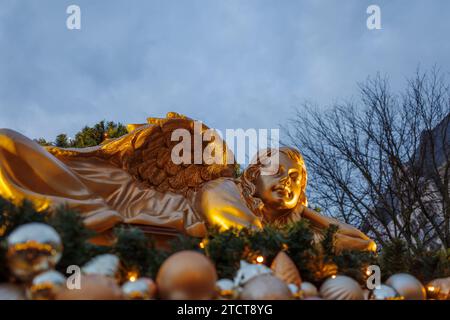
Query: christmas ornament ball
pixel 104 264
pixel 439 289
pixel 140 289
pixel 312 298
pixel 187 275
pixel 225 288
pixel 92 287
pixel 384 292
pixel 341 288
pixel 308 290
pixel 33 248
pixel 265 287
pixel 284 268
pixel 10 291
pixel 407 286
pixel 46 285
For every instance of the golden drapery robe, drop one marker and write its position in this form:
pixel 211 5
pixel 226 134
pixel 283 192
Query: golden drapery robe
pixel 103 193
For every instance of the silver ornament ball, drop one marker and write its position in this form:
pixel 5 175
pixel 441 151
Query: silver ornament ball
pixel 384 292
pixel 104 264
pixel 46 286
pixel 33 248
pixel 140 289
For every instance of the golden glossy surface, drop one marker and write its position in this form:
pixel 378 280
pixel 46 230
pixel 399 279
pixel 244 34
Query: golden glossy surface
pixel 132 179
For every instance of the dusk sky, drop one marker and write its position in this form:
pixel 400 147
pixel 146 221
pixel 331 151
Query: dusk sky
pixel 230 63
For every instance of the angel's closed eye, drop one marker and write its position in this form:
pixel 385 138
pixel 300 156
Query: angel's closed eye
pixel 294 175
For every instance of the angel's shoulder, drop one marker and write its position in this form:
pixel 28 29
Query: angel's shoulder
pixel 221 190
pixel 220 185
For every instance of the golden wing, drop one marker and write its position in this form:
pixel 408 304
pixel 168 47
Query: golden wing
pixel 145 153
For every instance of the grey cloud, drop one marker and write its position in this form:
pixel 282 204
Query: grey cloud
pixel 233 63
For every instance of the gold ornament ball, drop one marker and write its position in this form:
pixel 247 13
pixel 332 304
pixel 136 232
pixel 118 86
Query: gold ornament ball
pixel 407 286
pixel 308 290
pixel 341 288
pixel 439 289
pixel 10 291
pixel 265 287
pixel 187 275
pixel 46 285
pixel 33 248
pixel 93 287
pixel 140 289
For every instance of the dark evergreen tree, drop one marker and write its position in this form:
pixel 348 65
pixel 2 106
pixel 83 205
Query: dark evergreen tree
pixel 62 141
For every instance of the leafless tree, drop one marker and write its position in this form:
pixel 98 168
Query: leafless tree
pixel 381 162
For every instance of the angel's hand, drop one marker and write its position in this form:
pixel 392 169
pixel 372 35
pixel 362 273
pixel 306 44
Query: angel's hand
pixel 346 242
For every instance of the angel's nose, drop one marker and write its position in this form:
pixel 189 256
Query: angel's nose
pixel 286 180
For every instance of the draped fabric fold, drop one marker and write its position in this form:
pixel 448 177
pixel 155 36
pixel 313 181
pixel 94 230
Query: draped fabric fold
pixel 103 193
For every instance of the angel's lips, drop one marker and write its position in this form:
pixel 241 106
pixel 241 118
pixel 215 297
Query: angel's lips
pixel 283 191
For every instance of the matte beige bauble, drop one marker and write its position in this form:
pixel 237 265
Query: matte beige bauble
pixel 187 275
pixel 265 287
pixel 341 288
pixel 407 286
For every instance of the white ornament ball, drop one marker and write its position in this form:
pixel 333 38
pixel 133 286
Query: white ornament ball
pixel 247 271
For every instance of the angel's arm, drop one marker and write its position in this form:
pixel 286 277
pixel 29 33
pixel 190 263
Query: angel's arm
pixel 221 205
pixel 348 237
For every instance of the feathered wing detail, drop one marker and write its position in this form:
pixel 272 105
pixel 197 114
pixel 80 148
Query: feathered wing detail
pixel 145 153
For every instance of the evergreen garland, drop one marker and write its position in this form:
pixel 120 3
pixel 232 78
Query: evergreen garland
pixel 139 253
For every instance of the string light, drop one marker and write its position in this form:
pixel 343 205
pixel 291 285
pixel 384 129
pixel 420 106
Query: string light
pixel 260 259
pixel 333 276
pixel 132 276
pixel 431 288
pixel 202 244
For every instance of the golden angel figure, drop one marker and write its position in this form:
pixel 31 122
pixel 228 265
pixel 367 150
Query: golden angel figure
pixel 133 180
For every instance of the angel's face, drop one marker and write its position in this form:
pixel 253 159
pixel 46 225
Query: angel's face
pixel 281 191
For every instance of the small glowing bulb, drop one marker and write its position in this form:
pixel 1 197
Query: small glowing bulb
pixel 430 288
pixel 260 259
pixel 202 244
pixel 368 272
pixel 132 276
pixel 333 276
